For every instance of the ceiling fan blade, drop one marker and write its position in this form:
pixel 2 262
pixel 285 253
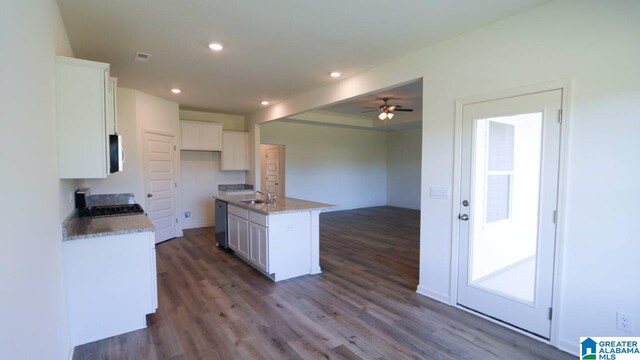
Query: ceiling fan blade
pixel 368 111
pixel 370 107
pixel 407 110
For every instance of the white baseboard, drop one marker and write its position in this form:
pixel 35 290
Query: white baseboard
pixel 570 347
pixel 345 208
pixel 403 206
pixel 196 226
pixel 434 295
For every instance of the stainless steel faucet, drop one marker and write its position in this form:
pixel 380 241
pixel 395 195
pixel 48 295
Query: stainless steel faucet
pixel 271 197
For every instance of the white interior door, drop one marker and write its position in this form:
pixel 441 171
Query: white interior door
pixel 509 190
pixel 272 169
pixel 159 183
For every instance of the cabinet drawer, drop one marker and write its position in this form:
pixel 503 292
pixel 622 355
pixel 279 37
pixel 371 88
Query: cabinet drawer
pixel 259 219
pixel 243 213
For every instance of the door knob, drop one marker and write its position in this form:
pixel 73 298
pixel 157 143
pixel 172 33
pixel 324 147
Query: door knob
pixel 149 195
pixel 463 217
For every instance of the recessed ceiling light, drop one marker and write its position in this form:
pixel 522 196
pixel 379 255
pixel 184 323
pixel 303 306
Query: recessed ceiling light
pixel 264 102
pixel 216 46
pixel 176 91
pixel 335 74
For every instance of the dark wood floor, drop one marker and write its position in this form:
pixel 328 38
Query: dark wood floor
pixel 363 305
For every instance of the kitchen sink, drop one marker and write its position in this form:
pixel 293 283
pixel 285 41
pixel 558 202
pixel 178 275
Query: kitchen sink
pixel 253 202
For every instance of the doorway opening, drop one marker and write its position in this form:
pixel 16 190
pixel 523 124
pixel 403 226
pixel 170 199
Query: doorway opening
pixel 363 155
pixel 272 169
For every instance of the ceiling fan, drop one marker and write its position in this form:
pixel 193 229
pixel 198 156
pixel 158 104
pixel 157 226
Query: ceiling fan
pixel 386 110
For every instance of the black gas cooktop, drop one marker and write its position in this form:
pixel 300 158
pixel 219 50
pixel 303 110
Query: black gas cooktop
pixel 113 210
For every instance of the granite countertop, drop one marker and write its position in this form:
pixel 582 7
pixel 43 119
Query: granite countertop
pixel 83 228
pixel 281 205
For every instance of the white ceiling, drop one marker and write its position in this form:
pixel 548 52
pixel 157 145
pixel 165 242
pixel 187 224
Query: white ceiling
pixel 274 49
pixel 408 96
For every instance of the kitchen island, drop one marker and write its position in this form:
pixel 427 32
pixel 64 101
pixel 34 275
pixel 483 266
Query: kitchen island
pixel 280 239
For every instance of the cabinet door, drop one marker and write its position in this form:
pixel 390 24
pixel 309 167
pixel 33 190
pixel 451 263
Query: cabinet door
pixel 210 137
pixel 233 234
pixel 241 151
pixel 81 103
pixel 190 136
pixel 243 238
pixel 258 239
pixel 227 151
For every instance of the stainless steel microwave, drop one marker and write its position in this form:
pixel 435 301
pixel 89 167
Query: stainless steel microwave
pixel 116 153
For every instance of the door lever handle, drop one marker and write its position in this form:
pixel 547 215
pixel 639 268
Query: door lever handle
pixel 463 217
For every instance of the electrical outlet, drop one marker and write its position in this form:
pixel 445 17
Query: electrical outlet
pixel 187 214
pixel 625 322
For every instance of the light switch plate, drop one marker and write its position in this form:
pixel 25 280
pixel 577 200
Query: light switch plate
pixel 439 192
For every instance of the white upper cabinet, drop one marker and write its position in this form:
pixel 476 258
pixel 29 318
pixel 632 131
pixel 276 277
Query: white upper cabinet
pixel 235 151
pixel 82 90
pixel 201 136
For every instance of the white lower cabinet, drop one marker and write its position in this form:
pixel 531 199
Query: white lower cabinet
pixel 249 238
pixel 234 231
pixel 110 284
pixel 258 247
pixel 279 245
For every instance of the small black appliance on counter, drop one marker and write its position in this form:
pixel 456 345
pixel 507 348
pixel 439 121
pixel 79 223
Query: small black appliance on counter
pixel 82 201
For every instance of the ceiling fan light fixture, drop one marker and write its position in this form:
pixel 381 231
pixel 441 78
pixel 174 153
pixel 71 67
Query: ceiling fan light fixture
pixel 390 115
pixel 382 116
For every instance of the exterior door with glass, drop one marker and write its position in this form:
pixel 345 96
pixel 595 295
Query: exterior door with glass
pixel 509 191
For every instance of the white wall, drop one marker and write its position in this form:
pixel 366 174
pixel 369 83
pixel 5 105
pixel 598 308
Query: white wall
pixel 137 112
pixel 341 166
pixel 595 44
pixel 201 176
pixel 198 173
pixel 229 121
pixel 404 155
pixel 126 181
pixel 32 306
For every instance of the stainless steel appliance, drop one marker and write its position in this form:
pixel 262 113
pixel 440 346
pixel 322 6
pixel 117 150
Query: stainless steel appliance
pixel 222 238
pixel 116 153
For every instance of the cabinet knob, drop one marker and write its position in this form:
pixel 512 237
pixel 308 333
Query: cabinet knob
pixel 149 195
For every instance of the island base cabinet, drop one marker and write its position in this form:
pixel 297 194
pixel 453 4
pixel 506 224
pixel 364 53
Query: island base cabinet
pixel 238 235
pixel 258 246
pixel 289 245
pixel 110 284
pixel 281 245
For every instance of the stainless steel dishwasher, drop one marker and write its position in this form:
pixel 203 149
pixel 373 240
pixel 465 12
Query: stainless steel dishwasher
pixel 222 238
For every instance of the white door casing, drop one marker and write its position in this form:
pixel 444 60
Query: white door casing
pixel 159 183
pixel 272 169
pixel 528 310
